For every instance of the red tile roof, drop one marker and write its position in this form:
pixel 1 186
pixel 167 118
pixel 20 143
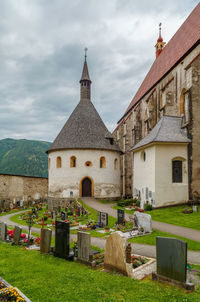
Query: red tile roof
pixel 187 36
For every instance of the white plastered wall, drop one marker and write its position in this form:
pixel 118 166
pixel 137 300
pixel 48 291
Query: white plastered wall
pixel 167 192
pixel 64 180
pixel 144 174
pixel 153 177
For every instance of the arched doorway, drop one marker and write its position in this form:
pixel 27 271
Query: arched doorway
pixel 86 187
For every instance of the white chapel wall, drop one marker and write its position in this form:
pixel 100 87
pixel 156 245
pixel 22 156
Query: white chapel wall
pixel 64 180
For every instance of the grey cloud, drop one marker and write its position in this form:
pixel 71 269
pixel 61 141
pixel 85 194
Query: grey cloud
pixel 41 58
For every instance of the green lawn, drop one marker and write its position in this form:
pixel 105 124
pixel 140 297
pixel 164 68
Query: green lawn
pixel 173 215
pixel 151 240
pixel 10 212
pixel 44 278
pixel 123 208
pixel 93 215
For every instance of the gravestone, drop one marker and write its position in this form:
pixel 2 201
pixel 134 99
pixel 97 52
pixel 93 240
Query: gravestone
pixel 84 242
pixel 114 256
pixel 3 231
pixel 143 221
pixel 171 255
pixel 78 211
pixel 120 216
pixel 195 208
pixel 62 237
pixel 103 219
pixel 72 210
pixel 63 215
pixel 17 234
pixel 45 242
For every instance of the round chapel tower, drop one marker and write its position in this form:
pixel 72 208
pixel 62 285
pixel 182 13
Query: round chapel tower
pixel 84 160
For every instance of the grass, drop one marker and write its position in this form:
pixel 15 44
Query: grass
pixel 151 240
pixel 174 216
pixel 12 211
pixel 45 278
pixel 94 215
pixel 116 207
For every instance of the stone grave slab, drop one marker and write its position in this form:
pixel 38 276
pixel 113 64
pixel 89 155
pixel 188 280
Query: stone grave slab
pixel 144 221
pixel 17 234
pixel 62 237
pixel 171 254
pixel 3 231
pixel 45 243
pixel 114 256
pixel 84 242
pixel 120 216
pixel 103 219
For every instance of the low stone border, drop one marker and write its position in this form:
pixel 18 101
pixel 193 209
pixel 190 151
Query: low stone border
pixel 21 294
pixel 144 270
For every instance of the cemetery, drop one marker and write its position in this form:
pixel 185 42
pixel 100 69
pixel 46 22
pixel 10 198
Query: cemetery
pixel 118 257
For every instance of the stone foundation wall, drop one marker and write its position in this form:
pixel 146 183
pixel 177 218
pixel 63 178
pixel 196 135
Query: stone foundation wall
pixel 14 187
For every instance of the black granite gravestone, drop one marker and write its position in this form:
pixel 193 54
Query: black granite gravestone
pixel 120 216
pixel 171 254
pixel 62 237
pixel 63 215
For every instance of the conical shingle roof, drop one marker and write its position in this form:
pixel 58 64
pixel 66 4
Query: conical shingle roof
pixel 85 73
pixel 84 130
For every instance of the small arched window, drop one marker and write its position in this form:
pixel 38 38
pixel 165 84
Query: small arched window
pixel 102 162
pixel 73 162
pixel 49 163
pixel 177 171
pixel 88 163
pixel 59 162
pixel 115 164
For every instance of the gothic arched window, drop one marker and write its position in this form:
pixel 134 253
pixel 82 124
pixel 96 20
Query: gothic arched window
pixel 102 162
pixel 59 162
pixel 73 162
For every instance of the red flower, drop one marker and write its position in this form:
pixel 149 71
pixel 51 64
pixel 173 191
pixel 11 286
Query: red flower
pixel 23 235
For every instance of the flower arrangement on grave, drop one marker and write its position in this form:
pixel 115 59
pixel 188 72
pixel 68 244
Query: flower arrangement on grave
pixel 138 260
pixel 107 229
pixel 10 294
pixel 187 211
pixel 37 240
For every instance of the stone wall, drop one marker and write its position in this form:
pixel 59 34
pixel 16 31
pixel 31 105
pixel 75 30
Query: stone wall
pixel 167 97
pixel 14 187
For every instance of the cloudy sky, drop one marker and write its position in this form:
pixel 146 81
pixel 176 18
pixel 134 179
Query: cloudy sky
pixel 41 57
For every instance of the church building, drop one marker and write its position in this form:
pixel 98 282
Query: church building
pixel 159 133
pixel 84 158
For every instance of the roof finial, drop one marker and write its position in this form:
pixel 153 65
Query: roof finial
pixel 85 49
pixel 160 24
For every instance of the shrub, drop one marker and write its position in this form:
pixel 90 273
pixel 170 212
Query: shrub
pixel 148 207
pixel 137 203
pixel 125 202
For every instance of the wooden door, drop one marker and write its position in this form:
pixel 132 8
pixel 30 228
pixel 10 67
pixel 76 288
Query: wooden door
pixel 86 187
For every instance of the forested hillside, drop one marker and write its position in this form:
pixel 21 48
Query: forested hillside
pixel 24 157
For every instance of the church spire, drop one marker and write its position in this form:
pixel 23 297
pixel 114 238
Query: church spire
pixel 160 44
pixel 85 81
